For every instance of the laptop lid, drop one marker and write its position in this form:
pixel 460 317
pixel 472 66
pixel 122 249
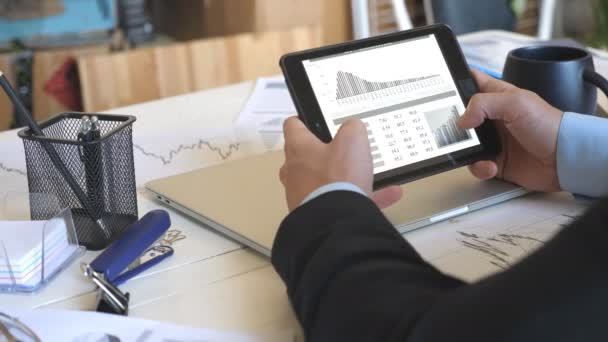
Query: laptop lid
pixel 245 200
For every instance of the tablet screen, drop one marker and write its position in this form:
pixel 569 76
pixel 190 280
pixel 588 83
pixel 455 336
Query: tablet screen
pixel 402 91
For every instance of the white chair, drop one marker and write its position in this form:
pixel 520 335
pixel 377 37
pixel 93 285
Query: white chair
pixel 545 19
pixel 373 17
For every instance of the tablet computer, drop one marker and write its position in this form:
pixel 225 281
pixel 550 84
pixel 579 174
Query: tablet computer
pixel 409 88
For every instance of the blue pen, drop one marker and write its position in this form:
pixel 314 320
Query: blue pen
pixel 486 70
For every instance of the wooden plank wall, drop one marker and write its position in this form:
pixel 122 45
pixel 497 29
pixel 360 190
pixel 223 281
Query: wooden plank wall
pixel 337 21
pixel 120 79
pixel 46 63
pixel 222 61
pixel 6 108
pixel 195 19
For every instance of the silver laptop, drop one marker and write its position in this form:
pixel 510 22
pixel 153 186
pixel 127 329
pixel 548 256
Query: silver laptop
pixel 244 199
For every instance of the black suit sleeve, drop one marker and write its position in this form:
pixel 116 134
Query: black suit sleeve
pixel 351 277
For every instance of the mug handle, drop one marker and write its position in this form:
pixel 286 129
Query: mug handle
pixel 596 79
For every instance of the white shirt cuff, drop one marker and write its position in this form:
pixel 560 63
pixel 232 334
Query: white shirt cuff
pixel 336 186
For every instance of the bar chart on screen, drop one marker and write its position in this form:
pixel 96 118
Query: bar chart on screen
pixel 443 125
pixel 340 90
pixel 351 88
pixel 379 77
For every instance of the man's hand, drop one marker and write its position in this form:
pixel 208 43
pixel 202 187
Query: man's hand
pixel 310 163
pixel 528 128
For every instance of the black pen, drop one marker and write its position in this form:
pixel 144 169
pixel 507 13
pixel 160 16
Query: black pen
pixel 96 163
pixel 89 135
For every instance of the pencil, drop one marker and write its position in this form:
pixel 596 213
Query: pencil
pixel 21 110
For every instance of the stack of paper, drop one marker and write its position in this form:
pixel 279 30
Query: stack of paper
pixel 31 251
pixel 81 326
pixel 267 107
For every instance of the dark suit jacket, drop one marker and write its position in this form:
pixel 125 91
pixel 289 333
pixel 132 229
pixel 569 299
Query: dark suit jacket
pixel 350 276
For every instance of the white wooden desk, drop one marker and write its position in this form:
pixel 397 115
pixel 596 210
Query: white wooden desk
pixel 216 283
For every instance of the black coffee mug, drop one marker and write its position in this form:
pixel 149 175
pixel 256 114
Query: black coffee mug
pixel 562 76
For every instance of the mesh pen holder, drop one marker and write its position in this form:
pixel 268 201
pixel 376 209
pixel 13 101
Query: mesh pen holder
pixel 103 169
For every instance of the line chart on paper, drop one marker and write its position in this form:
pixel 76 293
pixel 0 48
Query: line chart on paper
pixel 484 242
pixel 222 152
pixel 496 249
pixel 12 166
pixel 158 157
pixel 7 169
